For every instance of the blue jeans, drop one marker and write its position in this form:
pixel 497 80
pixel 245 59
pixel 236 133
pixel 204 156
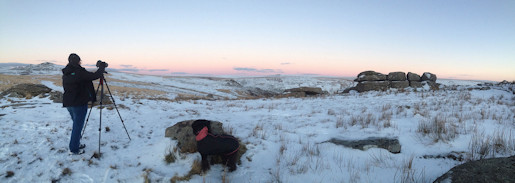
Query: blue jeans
pixel 78 114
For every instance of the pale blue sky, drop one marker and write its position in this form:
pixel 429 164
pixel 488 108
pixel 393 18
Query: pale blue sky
pixel 454 39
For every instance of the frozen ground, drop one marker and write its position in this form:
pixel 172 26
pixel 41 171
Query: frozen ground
pixel 284 136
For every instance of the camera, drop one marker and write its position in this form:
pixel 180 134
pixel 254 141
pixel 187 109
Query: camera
pixel 100 63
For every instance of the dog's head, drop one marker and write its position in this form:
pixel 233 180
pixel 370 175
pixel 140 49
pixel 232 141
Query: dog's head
pixel 197 125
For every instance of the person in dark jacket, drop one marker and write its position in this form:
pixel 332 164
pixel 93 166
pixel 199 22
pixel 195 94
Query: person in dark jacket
pixel 78 91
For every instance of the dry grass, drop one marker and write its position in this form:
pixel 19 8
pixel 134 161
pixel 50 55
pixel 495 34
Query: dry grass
pixel 8 81
pixel 438 128
pixel 171 155
pixel 196 169
pixel 408 174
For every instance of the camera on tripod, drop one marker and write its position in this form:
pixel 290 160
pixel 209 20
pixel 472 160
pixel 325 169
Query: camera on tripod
pixel 100 63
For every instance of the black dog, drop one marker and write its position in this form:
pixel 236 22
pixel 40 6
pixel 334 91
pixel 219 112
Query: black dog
pixel 208 144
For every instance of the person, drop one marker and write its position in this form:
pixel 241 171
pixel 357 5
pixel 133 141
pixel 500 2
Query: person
pixel 78 91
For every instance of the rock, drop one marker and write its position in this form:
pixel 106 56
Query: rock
pixel 372 86
pixel 413 77
pixel 347 90
pixel 370 76
pixel 427 76
pixel 306 90
pixel 485 170
pixel 186 142
pixel 415 84
pixel 56 96
pixel 258 92
pixel 234 83
pixel 432 85
pixel 396 76
pixel 26 90
pixel 389 144
pixel 294 95
pixel 399 84
pixel 183 133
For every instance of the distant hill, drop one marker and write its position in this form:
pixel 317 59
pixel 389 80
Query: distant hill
pixel 45 68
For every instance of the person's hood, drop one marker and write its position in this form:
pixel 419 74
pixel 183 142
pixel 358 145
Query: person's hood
pixel 71 68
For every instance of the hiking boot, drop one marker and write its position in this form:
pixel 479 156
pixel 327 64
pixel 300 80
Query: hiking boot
pixel 81 151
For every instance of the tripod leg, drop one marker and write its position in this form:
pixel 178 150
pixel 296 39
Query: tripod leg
pixel 90 109
pixel 112 99
pixel 100 126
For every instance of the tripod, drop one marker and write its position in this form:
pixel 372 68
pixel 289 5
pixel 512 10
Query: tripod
pixel 101 87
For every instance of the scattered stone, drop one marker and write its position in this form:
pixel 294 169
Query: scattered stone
pixel 456 156
pixel 9 174
pixel 485 170
pixel 389 144
pixel 397 76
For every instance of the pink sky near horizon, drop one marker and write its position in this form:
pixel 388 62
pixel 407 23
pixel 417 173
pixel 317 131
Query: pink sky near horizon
pixel 470 40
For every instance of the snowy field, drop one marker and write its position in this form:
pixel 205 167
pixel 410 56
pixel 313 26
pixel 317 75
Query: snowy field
pixel 285 137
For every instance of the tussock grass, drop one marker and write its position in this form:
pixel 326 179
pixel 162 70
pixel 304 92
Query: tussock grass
pixel 438 128
pixel 196 169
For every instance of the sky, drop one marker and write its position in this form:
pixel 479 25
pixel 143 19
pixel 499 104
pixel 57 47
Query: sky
pixel 459 39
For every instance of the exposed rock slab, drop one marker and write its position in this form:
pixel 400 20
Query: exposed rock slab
pixel 390 144
pixel 26 90
pixel 486 170
pixel 307 91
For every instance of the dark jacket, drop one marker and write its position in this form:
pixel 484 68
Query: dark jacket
pixel 78 85
pixel 218 144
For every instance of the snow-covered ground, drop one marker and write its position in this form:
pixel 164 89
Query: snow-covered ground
pixel 285 137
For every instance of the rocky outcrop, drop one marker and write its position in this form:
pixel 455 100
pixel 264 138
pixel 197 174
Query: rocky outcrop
pixel 305 91
pixel 26 90
pixel 485 170
pixel 374 81
pixel 390 144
